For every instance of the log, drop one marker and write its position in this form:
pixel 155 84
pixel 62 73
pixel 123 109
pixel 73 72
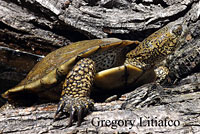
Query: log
pixel 148 109
pixel 30 29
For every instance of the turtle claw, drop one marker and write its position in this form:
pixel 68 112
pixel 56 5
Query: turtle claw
pixel 80 116
pixel 58 113
pixel 73 106
pixel 72 112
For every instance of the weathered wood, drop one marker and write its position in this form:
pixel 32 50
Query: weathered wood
pixel 150 102
pixel 31 28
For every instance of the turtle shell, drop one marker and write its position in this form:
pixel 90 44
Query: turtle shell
pixel 51 70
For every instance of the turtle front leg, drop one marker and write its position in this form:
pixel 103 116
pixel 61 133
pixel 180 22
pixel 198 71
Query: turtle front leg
pixel 76 91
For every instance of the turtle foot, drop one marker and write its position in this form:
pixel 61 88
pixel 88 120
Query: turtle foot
pixel 72 106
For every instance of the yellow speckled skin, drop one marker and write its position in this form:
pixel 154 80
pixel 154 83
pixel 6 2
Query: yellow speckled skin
pixel 80 79
pixel 76 89
pixel 157 46
pixel 108 63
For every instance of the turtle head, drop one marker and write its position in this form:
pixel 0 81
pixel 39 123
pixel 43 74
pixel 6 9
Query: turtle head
pixel 176 34
pixel 158 45
pixel 166 40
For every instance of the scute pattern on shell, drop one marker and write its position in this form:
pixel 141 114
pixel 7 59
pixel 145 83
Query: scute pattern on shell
pixel 60 57
pixel 109 58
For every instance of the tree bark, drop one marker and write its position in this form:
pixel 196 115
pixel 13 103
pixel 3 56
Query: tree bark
pixel 30 29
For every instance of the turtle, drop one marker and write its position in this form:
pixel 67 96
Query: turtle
pixel 70 73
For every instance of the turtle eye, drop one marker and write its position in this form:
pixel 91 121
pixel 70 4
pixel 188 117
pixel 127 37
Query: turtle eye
pixel 177 30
